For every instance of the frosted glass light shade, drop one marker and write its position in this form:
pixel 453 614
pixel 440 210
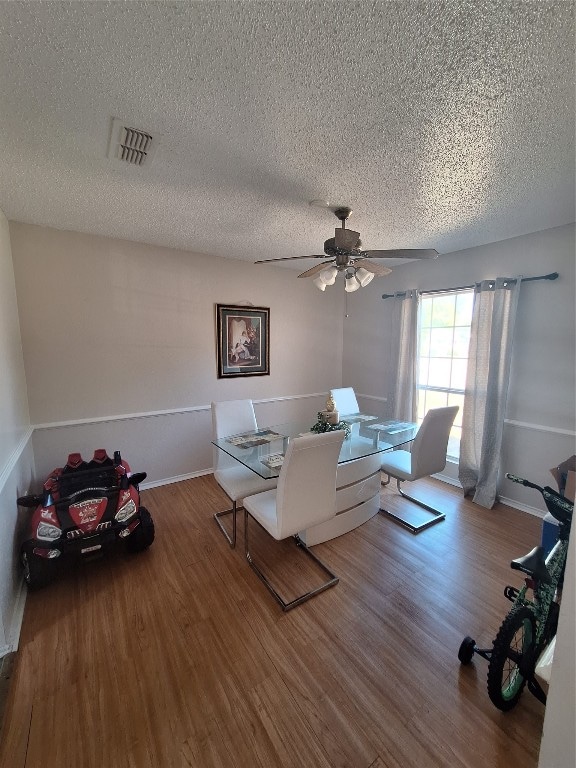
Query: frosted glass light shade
pixel 363 276
pixel 351 284
pixel 319 283
pixel 328 275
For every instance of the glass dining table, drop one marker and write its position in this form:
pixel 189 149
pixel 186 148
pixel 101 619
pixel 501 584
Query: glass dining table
pixel 358 477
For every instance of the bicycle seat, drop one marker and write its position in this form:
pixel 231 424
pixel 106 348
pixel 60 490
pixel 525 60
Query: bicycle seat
pixel 534 565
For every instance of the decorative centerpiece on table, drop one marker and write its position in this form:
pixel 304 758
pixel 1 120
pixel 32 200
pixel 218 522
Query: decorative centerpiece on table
pixel 329 420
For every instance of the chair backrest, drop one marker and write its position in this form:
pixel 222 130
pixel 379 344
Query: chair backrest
pixel 306 493
pixel 345 400
pixel 231 417
pixel 431 443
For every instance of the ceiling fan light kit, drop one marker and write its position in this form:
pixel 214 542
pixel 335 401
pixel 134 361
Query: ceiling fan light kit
pixel 352 284
pixel 319 283
pixel 364 277
pixel 328 275
pixel 346 255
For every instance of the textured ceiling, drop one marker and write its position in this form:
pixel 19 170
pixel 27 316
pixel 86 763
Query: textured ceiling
pixel 442 124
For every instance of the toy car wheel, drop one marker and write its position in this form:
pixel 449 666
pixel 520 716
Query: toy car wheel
pixel 143 535
pixel 38 572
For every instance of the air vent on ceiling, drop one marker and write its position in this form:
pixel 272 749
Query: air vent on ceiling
pixel 130 145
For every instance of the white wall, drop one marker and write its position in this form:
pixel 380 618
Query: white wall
pixel 14 419
pixel 16 461
pixel 541 413
pixel 112 328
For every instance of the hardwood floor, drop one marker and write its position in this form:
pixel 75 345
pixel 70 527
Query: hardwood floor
pixel 180 657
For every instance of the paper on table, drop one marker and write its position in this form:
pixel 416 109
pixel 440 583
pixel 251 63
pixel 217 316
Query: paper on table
pixel 274 461
pixel 354 418
pixel 252 439
pixel 391 427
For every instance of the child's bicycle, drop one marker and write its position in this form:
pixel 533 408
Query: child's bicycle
pixel 531 623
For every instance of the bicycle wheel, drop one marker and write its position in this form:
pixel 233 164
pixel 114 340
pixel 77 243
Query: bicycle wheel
pixel 466 651
pixel 514 640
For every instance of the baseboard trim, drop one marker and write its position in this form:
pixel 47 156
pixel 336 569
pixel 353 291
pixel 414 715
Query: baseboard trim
pixel 17 618
pixel 448 479
pixel 502 499
pixel 176 479
pixel 522 507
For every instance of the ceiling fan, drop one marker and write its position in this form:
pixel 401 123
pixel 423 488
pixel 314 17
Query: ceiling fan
pixel 346 255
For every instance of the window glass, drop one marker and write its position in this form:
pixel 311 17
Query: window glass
pixel 444 320
pixel 421 401
pixel 439 372
pixel 461 341
pixel 425 314
pixel 458 377
pixel 441 342
pixel 459 401
pixel 464 302
pixel 425 342
pixel 443 309
pixel 423 371
pixel 435 399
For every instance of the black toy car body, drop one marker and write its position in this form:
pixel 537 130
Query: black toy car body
pixel 84 507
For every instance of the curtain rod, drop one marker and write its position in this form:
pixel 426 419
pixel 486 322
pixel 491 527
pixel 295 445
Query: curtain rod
pixel 551 276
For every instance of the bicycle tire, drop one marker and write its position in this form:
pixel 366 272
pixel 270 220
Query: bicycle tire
pixel 517 634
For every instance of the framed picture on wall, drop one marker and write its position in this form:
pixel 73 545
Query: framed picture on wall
pixel 243 341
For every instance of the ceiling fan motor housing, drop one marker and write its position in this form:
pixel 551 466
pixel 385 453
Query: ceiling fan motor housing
pixel 331 249
pixel 343 213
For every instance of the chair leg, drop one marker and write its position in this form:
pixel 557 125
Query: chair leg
pixel 287 605
pixel 217 515
pixel 415 528
pixel 385 482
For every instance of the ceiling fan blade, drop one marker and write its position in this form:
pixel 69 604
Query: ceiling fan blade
pixel 377 269
pixel 316 270
pixel 403 253
pixel 289 258
pixel 346 239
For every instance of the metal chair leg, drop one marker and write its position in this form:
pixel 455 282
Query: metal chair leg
pixel 414 528
pixel 288 605
pixel 217 515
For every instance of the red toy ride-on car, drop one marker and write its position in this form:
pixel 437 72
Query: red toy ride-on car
pixel 83 508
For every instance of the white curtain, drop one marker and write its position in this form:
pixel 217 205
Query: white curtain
pixel 487 378
pixel 405 396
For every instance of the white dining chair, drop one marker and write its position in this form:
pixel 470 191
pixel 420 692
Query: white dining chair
pixel 305 496
pixel 427 456
pixel 232 417
pixel 345 400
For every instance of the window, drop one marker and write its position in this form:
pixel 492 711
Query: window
pixel 444 334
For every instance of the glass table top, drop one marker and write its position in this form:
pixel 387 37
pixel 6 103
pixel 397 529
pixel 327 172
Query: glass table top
pixel 262 451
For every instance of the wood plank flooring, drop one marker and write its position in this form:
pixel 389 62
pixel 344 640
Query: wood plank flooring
pixel 180 657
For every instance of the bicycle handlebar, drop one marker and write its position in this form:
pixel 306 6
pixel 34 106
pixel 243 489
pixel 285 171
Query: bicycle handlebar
pixel 559 507
pixel 527 483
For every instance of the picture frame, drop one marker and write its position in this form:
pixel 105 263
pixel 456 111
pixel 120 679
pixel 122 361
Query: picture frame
pixel 243 340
